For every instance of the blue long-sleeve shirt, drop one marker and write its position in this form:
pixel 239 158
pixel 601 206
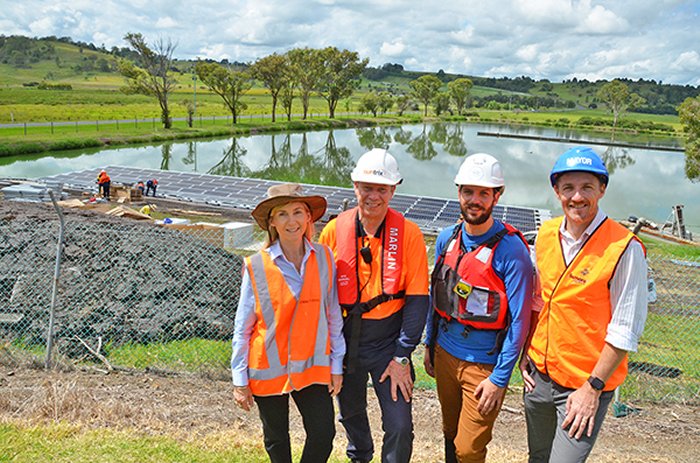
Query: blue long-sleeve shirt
pixel 512 264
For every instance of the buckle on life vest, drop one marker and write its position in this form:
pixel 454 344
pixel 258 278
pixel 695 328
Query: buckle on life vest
pixel 462 289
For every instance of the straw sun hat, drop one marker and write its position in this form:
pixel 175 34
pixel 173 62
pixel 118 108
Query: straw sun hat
pixel 279 195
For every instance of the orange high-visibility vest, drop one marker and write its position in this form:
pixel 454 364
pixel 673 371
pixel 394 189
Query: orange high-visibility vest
pixel 572 325
pixel 290 343
pixel 347 248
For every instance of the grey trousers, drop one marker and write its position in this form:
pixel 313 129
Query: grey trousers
pixel 545 410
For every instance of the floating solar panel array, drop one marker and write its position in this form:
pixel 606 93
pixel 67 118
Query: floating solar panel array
pixel 431 214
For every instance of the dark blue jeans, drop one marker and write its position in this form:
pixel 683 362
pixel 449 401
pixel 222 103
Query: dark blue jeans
pixel 397 422
pixel 316 408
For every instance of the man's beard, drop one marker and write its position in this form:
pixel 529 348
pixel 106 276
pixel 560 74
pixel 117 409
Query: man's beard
pixel 482 218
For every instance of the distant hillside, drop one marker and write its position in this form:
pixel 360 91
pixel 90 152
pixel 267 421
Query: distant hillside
pixel 28 61
pixel 524 91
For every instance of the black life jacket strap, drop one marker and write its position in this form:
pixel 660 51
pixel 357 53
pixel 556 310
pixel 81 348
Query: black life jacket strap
pixel 354 317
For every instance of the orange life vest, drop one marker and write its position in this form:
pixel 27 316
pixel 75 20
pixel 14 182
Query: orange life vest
pixel 290 343
pixel 572 325
pixel 465 286
pixel 347 250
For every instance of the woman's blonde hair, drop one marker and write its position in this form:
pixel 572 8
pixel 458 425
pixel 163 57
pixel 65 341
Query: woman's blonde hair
pixel 272 234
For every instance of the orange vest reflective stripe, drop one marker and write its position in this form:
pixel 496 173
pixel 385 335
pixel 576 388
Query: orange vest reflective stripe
pixel 347 249
pixel 290 343
pixel 572 325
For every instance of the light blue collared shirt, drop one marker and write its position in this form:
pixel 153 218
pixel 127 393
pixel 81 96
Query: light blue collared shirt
pixel 246 318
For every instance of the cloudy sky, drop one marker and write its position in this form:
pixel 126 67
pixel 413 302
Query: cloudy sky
pixel 553 39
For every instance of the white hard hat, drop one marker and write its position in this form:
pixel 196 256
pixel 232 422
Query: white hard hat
pixel 480 169
pixel 377 166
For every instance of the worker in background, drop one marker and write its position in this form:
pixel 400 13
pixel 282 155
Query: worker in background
pixel 482 295
pixel 141 187
pixel 287 339
pixel 151 185
pixel 383 290
pixel 103 183
pixel 593 274
pixel 148 208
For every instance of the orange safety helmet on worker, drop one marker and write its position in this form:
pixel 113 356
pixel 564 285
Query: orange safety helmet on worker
pixel 290 349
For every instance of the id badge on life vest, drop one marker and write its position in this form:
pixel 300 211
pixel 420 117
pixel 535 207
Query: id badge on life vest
pixel 462 289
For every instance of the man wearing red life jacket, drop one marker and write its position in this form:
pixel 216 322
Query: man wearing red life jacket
pixel 383 289
pixel 593 275
pixel 482 293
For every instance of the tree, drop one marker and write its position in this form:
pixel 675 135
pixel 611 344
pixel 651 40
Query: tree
pixel 617 96
pixel 189 109
pixel 271 71
pixel 403 102
pixel 370 103
pixel 459 93
pixel 340 76
pixel 441 102
pixel 229 83
pixel 305 65
pixel 424 89
pixel 386 101
pixel 152 76
pixel 689 114
pixel 287 93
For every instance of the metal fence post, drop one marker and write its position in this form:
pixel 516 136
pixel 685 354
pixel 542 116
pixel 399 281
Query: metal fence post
pixel 54 290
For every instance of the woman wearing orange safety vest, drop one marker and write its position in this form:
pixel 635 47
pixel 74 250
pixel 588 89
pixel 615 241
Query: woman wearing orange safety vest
pixel 287 339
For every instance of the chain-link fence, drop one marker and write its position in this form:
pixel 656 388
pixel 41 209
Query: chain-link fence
pixel 138 295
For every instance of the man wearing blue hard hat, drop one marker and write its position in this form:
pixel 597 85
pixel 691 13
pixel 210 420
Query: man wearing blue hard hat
pixel 593 276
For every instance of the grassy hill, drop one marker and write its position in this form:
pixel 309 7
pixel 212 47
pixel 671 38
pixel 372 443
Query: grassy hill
pixel 91 73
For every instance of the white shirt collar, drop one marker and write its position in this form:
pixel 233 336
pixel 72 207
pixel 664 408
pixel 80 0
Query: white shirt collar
pixel 597 220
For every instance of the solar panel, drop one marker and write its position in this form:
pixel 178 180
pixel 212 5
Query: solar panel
pixel 429 213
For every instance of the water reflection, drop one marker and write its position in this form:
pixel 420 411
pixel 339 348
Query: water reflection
pixel 373 137
pixel 428 154
pixel 166 154
pixel 616 158
pixel 231 163
pixel 421 147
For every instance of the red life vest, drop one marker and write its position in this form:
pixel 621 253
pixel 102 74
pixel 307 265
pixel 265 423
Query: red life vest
pixel 346 261
pixel 465 286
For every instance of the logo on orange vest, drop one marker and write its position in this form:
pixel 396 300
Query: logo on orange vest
pixel 584 272
pixel 579 280
pixel 393 248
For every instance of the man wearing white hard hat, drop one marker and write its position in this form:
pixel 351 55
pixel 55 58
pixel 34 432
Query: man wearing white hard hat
pixel 383 289
pixel 482 295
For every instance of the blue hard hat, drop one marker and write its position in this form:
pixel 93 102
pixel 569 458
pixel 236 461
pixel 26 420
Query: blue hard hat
pixel 579 159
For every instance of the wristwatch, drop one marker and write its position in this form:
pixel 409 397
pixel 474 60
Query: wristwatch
pixel 596 383
pixel 401 360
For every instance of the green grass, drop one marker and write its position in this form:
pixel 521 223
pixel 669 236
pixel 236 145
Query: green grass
pixel 659 247
pixel 188 355
pixel 64 443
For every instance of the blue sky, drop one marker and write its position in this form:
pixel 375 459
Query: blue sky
pixel 553 39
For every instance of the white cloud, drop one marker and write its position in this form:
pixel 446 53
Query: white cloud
pixel 166 23
pixel 392 49
pixel 554 39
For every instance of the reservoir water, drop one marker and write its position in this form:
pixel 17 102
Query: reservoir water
pixel 643 182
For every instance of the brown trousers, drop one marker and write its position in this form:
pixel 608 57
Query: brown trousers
pixel 461 422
